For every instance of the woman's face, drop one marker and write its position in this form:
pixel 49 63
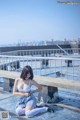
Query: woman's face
pixel 28 76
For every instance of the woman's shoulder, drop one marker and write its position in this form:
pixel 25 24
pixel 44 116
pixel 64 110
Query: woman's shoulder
pixel 17 79
pixel 32 81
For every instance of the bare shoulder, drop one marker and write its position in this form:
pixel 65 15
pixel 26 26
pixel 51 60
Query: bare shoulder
pixel 33 82
pixel 17 80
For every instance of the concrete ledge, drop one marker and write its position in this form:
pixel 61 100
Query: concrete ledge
pixel 44 80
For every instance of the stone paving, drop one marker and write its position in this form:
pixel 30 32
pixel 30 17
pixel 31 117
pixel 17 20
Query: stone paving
pixel 8 102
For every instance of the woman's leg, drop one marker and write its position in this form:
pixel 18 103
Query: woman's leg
pixel 31 109
pixel 20 110
pixel 35 111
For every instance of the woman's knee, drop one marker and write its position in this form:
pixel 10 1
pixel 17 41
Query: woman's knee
pixel 27 113
pixel 20 111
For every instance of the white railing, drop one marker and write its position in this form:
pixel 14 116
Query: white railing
pixel 66 68
pixel 49 52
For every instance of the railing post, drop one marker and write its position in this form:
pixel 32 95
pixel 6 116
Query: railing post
pixel 52 94
pixel 11 84
pixel 6 84
pixel 69 63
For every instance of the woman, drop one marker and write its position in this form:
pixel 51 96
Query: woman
pixel 22 87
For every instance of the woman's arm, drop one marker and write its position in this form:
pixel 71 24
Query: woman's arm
pixel 15 92
pixel 39 87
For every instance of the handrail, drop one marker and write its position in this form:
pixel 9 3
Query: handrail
pixel 61 49
pixel 40 50
pixel 37 58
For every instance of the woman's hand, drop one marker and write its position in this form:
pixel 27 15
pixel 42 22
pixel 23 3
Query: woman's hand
pixel 27 94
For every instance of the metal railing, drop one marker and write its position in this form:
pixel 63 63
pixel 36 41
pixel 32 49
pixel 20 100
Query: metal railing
pixel 42 52
pixel 65 68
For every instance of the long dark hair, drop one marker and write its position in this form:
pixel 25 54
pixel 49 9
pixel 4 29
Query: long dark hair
pixel 27 69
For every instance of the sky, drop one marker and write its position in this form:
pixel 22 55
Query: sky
pixel 37 20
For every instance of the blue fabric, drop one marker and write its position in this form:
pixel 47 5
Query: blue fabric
pixel 25 101
pixel 25 89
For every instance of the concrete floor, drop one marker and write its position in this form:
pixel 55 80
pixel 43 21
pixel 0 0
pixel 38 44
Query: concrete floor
pixel 8 102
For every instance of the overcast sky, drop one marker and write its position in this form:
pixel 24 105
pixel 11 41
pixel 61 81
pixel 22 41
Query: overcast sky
pixel 30 20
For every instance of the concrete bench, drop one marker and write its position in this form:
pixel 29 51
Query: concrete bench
pixel 50 85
